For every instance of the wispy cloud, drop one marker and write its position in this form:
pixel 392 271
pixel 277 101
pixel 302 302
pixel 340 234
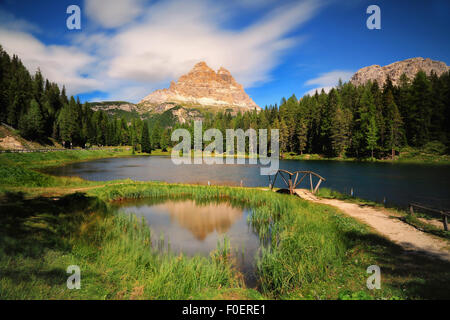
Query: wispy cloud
pixel 11 22
pixel 327 81
pixel 139 46
pixel 65 65
pixel 112 14
pixel 176 34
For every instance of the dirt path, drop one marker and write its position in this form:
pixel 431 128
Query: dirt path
pixel 395 230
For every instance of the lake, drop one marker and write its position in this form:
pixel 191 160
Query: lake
pixel 399 184
pixel 192 228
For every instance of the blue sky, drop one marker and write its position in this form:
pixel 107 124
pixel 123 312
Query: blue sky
pixel 128 48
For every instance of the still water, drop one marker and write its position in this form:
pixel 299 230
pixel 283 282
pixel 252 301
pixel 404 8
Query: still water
pixel 192 228
pixel 399 184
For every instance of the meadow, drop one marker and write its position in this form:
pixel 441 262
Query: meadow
pixel 316 252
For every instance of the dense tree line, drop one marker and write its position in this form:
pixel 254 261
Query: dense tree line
pixel 363 121
pixel 348 121
pixel 370 120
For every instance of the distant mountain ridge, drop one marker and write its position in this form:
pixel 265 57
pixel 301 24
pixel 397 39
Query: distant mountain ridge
pixel 409 67
pixel 168 111
pixel 113 105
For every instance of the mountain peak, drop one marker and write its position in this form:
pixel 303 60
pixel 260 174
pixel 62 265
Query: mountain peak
pixel 202 86
pixel 222 70
pixel 410 67
pixel 201 66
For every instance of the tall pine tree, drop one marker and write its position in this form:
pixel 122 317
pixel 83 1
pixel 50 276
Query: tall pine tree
pixel 145 139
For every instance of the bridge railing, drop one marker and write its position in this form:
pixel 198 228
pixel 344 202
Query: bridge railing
pixel 291 179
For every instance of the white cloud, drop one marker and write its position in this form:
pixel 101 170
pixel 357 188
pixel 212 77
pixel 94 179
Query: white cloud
pixel 177 34
pixel 113 13
pixel 129 92
pixel 327 81
pixel 62 64
pixel 331 78
pixel 318 90
pixel 159 42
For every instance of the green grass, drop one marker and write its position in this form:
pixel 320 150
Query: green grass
pixel 313 251
pixel 20 170
pixel 113 251
pixel 38 160
pixel 407 155
pixel 424 226
pixel 333 194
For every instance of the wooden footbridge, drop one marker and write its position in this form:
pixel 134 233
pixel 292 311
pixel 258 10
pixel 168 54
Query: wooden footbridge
pixel 292 181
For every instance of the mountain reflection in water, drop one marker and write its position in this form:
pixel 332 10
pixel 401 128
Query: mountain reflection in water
pixel 202 220
pixel 194 228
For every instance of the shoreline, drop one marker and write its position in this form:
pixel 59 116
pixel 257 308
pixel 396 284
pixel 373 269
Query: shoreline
pixel 438 160
pixel 431 160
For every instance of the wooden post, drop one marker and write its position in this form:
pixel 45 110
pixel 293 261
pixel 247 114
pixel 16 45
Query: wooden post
pixel 318 184
pixel 295 181
pixel 310 181
pixel 444 220
pixel 291 189
pixel 411 209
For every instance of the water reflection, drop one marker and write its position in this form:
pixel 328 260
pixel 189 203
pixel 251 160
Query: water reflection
pixel 192 228
pixel 201 220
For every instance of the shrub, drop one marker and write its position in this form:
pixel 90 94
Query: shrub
pixel 435 147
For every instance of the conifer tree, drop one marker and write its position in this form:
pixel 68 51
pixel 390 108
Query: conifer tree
pixel 31 124
pixel 302 134
pixel 284 135
pixel 69 126
pixel 394 124
pixel 156 136
pixel 372 134
pixel 340 131
pixel 420 111
pixel 145 139
pixel 164 140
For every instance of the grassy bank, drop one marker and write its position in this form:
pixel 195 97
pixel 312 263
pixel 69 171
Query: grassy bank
pixel 113 252
pixel 407 155
pixel 19 171
pixel 315 252
pixel 38 160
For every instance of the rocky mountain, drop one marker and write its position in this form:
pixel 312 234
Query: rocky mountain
pixel 108 106
pixel 410 67
pixel 201 87
pixel 126 110
pixel 166 113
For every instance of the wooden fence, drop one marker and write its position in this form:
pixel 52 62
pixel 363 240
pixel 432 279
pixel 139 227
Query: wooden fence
pixel 444 214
